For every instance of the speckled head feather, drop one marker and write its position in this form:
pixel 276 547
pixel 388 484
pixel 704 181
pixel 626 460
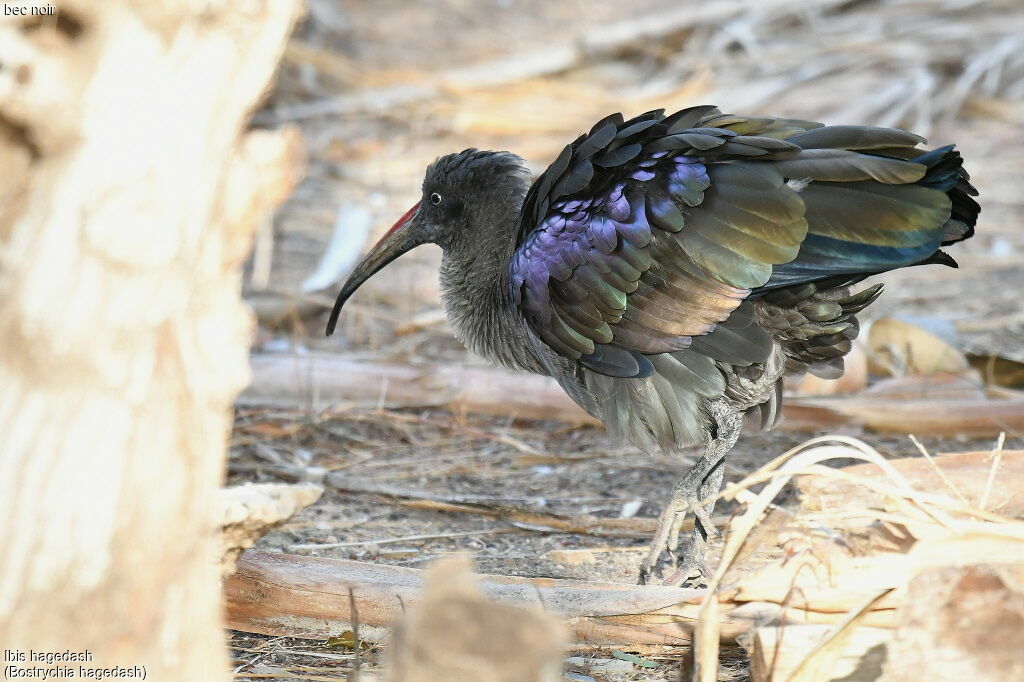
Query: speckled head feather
pixel 472 188
pixel 474 165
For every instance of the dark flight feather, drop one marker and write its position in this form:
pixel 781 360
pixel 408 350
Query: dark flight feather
pixel 646 236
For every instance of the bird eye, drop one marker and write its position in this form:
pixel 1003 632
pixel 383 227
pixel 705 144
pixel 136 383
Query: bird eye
pixel 435 198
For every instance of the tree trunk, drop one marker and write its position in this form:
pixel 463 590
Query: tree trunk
pixel 128 195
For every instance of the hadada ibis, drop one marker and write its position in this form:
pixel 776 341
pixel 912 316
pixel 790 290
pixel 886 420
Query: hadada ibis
pixel 669 271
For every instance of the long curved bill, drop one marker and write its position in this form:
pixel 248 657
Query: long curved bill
pixel 400 238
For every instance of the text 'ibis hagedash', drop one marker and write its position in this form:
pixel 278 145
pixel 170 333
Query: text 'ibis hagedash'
pixel 668 272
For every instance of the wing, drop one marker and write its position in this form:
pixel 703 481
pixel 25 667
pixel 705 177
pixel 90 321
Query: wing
pixel 646 234
pixel 633 242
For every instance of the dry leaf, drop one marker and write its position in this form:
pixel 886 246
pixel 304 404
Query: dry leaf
pixel 347 640
pixel 998 371
pixel 897 348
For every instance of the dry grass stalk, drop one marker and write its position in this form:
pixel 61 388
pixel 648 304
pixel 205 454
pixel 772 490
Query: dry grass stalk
pixel 952 478
pixel 828 573
pixel 997 456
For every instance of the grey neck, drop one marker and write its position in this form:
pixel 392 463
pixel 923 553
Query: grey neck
pixel 477 299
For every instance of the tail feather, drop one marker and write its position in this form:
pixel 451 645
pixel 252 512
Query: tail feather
pixel 946 173
pixel 857 229
pixel 944 167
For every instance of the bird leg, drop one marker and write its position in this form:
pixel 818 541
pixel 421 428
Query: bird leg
pixel 702 481
pixel 692 568
pixel 686 494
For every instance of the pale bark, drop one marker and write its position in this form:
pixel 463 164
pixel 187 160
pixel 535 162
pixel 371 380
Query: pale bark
pixel 127 200
pixel 961 623
pixel 250 511
pixel 776 652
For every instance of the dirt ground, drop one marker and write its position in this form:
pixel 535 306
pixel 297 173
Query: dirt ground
pixel 372 156
pixel 533 466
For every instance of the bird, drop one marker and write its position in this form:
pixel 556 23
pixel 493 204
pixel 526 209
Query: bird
pixel 668 271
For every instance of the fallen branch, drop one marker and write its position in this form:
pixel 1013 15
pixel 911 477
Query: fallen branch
pixel 936 417
pixel 317 381
pixel 527 519
pixel 308 597
pixel 584 524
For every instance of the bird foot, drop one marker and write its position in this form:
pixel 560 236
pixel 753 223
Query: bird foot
pixel 689 577
pixel 661 563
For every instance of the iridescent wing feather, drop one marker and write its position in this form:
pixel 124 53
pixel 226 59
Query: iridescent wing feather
pixel 647 234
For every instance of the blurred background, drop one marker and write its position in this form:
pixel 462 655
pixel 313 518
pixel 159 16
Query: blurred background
pixel 380 88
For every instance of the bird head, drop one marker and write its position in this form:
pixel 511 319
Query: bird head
pixel 461 193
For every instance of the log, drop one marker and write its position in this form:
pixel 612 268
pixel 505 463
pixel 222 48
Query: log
pixel 978 417
pixel 941 404
pixel 318 380
pixel 300 596
pixel 128 198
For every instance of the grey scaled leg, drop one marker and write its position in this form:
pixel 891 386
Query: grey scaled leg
pixel 703 480
pixel 692 569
